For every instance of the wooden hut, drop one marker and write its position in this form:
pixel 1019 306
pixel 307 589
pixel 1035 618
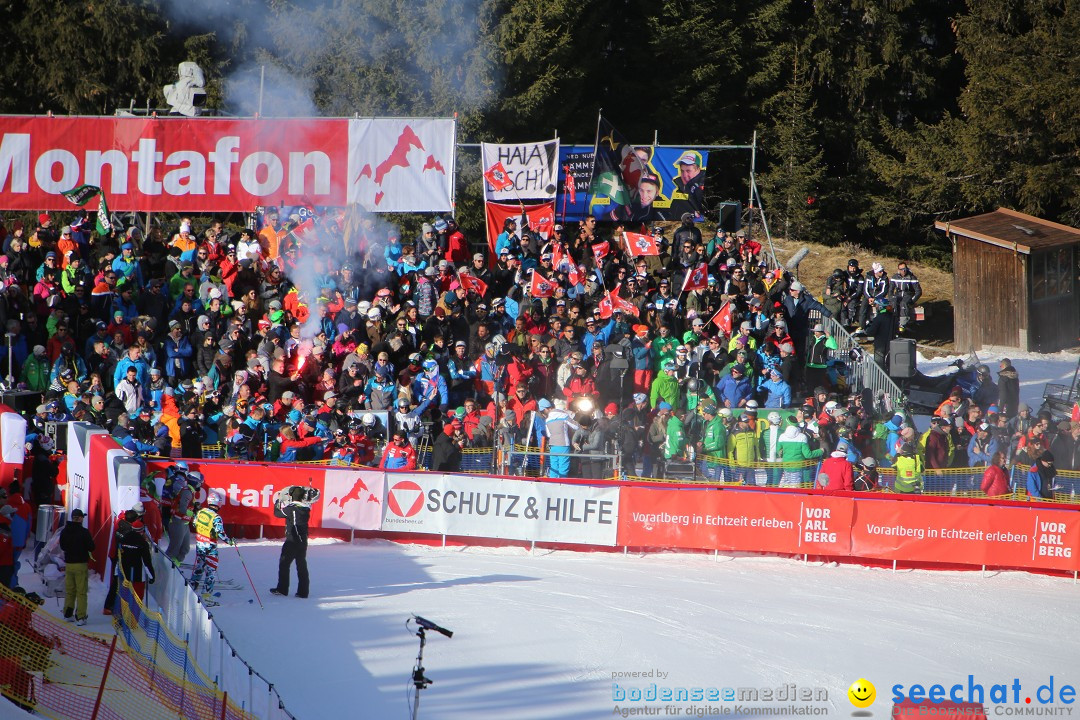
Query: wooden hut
pixel 1014 282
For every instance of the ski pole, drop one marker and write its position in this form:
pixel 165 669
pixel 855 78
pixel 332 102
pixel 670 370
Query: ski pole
pixel 252 582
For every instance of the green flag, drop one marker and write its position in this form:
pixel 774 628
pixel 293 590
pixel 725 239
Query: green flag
pixel 86 193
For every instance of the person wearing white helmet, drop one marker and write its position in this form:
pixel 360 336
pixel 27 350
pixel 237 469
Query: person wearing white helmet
pixel 209 531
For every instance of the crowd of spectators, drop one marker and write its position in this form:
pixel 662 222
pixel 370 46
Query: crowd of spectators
pixel 350 343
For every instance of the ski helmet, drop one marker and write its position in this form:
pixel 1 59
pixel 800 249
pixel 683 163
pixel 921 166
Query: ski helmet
pixel 46 443
pixel 195 479
pixel 181 466
pixel 368 419
pixel 214 498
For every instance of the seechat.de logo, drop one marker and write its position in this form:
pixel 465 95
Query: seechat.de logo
pixel 408 494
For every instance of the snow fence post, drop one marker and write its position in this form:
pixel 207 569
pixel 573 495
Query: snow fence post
pixel 104 678
pixel 894 565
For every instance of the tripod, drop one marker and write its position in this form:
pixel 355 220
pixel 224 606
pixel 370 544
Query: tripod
pixel 418 678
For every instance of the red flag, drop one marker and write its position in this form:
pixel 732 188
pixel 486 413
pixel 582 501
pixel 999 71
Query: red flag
pixel 600 251
pixel 569 187
pixel 722 318
pixel 305 231
pixel 471 283
pixel 558 255
pixel 621 303
pixel 697 279
pixel 605 307
pixel 639 244
pixel 497 177
pixel 1075 412
pixel 541 286
pixel 574 275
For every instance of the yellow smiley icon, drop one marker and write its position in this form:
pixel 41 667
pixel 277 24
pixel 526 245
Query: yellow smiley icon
pixel 862 693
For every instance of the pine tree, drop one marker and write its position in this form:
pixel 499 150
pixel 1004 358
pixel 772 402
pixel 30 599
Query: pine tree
pixel 796 172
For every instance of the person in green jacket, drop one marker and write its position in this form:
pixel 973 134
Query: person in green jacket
pixel 665 387
pixel 796 456
pixel 36 370
pixel 663 348
pixel 743 450
pixel 713 443
pixel 909 470
pixel 770 446
pixel 817 357
pixel 675 444
pixel 698 393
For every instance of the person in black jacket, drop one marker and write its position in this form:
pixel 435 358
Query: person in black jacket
pixel 1008 388
pixel 77 544
pixel 446 451
pixel 293 505
pixel 134 551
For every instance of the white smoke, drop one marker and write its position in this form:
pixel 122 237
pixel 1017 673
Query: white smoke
pixel 269 91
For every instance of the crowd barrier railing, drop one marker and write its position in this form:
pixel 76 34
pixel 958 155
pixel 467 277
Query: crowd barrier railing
pixel 185 627
pixel 864 371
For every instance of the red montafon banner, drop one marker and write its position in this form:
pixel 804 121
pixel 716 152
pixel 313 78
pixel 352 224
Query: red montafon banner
pixel 228 165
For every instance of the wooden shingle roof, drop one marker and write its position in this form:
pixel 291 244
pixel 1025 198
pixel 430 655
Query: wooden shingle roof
pixel 1013 230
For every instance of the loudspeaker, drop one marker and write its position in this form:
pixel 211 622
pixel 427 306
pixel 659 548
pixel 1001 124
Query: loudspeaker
pixel 730 216
pixel 902 358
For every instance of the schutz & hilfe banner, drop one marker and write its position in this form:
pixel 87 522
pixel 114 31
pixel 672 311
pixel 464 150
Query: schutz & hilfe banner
pixel 481 506
pixel 172 164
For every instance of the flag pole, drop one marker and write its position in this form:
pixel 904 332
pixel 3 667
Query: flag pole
pixel 592 174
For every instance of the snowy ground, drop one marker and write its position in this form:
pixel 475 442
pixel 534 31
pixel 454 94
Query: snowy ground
pixel 1035 370
pixel 540 636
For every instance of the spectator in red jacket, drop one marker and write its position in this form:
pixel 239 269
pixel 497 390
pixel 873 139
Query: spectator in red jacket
pixel 996 478
pixel 399 454
pixel 836 472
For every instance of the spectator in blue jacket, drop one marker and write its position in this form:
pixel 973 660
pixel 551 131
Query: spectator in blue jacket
pixel 133 357
pixel 594 333
pixel 1041 476
pixel 734 389
pixel 982 446
pixel 779 392
pixel 178 353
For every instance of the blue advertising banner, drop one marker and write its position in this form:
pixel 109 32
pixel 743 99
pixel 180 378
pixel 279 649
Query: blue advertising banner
pixel 680 173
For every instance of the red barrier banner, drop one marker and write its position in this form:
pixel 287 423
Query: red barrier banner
pixel 172 164
pixel 350 498
pixel 967 534
pixel 1036 537
pixel 731 520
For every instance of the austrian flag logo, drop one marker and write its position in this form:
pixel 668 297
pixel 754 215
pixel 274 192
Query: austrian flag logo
pixel 405 498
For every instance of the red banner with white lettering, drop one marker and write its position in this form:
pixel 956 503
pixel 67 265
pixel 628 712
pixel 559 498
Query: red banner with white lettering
pixel 725 520
pixel 350 498
pixel 880 528
pixel 171 164
pixel 971 534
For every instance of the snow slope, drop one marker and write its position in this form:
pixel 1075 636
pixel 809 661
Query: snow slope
pixel 539 636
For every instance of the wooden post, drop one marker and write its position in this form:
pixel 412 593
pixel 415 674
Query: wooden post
pixel 104 679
